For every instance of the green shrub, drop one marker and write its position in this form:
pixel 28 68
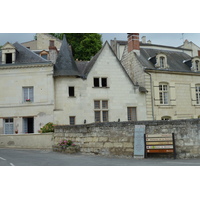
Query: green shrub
pixel 47 128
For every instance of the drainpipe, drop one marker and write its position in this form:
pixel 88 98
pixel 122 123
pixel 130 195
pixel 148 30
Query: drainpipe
pixel 152 105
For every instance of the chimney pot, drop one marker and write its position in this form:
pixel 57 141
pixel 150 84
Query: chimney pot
pixel 144 39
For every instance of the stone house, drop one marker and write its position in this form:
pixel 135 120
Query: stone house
pixel 170 74
pixel 34 91
pixel 99 90
pixel 26 90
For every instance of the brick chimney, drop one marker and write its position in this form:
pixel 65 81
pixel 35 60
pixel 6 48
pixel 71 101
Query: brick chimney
pixel 53 52
pixel 133 42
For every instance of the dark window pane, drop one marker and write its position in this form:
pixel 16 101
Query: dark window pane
pixel 96 82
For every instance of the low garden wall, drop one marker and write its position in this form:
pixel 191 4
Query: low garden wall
pixel 117 138
pixel 32 141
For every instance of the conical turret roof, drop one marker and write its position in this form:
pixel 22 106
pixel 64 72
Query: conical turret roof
pixel 65 64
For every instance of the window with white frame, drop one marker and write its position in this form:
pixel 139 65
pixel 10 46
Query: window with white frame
pixel 197 87
pixel 8 126
pixel 162 62
pixel 28 94
pixel 163 93
pixel 100 82
pixel 132 114
pixel 101 110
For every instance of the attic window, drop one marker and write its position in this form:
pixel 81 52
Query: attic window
pixel 8 58
pixel 161 61
pixel 197 65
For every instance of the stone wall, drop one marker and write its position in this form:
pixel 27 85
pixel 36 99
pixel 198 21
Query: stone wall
pixel 27 141
pixel 117 138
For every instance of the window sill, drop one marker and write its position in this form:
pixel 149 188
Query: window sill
pixel 100 87
pixel 71 96
pixel 166 106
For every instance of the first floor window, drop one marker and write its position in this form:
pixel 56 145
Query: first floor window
pixel 197 94
pixel 8 126
pixel 28 94
pixel 71 91
pixel 163 93
pixel 100 82
pixel 28 125
pixel 132 115
pixel 101 111
pixel 72 120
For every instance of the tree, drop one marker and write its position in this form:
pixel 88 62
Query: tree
pixel 84 45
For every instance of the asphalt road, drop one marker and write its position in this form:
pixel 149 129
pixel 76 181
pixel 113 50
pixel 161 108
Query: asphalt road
pixel 27 157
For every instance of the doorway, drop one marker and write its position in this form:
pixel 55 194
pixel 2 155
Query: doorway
pixel 28 125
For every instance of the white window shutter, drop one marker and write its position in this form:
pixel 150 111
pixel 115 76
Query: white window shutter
pixel 172 90
pixel 156 92
pixel 193 94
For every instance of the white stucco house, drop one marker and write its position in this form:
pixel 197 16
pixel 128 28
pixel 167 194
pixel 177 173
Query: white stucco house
pixel 34 91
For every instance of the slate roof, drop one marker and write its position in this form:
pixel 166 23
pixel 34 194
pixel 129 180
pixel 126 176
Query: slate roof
pixel 65 64
pixel 175 59
pixel 24 56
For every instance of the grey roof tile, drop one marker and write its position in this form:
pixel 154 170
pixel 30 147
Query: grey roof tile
pixel 65 64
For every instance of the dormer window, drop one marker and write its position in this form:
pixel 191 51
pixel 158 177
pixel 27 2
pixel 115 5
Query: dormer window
pixel 196 64
pixel 161 61
pixel 8 54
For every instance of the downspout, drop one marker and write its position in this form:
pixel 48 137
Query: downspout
pixel 152 105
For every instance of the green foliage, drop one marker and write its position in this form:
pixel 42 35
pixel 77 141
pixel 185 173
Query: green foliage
pixel 47 128
pixel 66 143
pixel 84 45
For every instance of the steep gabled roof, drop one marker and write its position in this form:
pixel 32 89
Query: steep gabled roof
pixel 65 64
pixel 94 59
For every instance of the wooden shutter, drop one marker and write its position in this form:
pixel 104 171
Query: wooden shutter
pixel 193 94
pixel 156 93
pixel 172 92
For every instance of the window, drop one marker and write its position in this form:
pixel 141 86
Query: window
pixel 197 65
pixel 72 120
pixel 71 91
pixel 132 115
pixel 162 62
pixel 44 56
pixel 197 87
pixel 100 82
pixel 8 126
pixel 163 93
pixel 101 110
pixel 166 118
pixel 28 94
pixel 8 58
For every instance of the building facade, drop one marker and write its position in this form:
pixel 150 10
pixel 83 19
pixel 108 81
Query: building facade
pixel 27 92
pixel 170 74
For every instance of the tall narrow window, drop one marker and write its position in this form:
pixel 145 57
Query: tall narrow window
pixel 132 115
pixel 104 82
pixel 71 91
pixel 28 94
pixel 96 82
pixel 8 58
pixel 28 125
pixel 101 111
pixel 162 62
pixel 163 93
pixel 197 65
pixel 197 94
pixel 8 126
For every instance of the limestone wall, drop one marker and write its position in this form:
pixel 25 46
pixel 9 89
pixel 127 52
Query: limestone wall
pixel 117 139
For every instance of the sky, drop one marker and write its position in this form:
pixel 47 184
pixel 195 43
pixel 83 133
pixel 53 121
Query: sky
pixel 170 39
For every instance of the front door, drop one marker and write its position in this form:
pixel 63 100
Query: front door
pixel 28 125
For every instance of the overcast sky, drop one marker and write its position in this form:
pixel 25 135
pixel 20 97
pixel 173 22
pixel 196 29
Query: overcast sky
pixel 171 39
